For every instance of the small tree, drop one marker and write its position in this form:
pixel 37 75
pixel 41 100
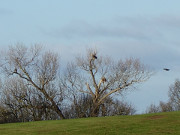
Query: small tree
pixel 174 94
pixel 101 77
pixel 153 109
pixel 80 107
pixel 173 103
pixel 162 107
pixel 122 108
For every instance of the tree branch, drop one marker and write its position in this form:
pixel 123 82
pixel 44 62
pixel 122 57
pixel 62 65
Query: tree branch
pixel 88 87
pixel 115 90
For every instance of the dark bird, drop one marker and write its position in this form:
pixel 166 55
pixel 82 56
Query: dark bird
pixel 166 69
pixel 103 79
pixel 15 70
pixel 94 56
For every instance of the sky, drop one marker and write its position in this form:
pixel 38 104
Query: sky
pixel 144 29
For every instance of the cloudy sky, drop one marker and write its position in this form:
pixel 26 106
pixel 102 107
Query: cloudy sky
pixel 145 29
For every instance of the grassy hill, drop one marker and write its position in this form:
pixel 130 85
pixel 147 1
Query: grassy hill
pixel 157 124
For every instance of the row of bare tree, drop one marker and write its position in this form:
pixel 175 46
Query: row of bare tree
pixel 34 88
pixel 173 104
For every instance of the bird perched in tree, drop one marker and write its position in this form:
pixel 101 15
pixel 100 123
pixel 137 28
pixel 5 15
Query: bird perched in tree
pixel 166 69
pixel 103 79
pixel 15 70
pixel 94 56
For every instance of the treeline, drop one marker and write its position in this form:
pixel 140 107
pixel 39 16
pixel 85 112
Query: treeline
pixel 173 104
pixel 33 87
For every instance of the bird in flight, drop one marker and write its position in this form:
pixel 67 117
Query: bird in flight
pixel 166 69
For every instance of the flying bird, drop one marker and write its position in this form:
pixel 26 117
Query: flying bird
pixel 166 69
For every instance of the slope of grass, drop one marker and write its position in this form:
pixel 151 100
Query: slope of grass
pixel 157 124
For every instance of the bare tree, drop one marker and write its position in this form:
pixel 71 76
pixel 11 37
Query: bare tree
pixel 162 107
pixel 39 70
pixel 153 109
pixel 173 103
pixel 101 77
pixel 120 108
pixel 174 94
pixel 166 107
pixel 82 106
pixel 25 102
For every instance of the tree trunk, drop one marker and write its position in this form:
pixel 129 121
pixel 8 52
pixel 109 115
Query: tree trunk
pixel 103 110
pixel 54 105
pixel 95 111
pixel 58 111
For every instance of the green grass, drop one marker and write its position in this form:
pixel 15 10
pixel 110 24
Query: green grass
pixel 157 124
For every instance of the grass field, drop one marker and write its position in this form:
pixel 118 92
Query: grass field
pixel 157 124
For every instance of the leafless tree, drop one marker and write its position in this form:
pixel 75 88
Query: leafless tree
pixel 6 116
pixel 162 107
pixel 173 103
pixel 174 94
pixel 25 102
pixel 101 77
pixel 82 106
pixel 120 108
pixel 153 109
pixel 38 68
pixel 166 107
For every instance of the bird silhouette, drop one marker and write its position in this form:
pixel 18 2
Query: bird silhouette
pixel 166 69
pixel 94 56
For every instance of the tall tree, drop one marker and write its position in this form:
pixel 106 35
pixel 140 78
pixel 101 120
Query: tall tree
pixel 38 68
pixel 101 77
